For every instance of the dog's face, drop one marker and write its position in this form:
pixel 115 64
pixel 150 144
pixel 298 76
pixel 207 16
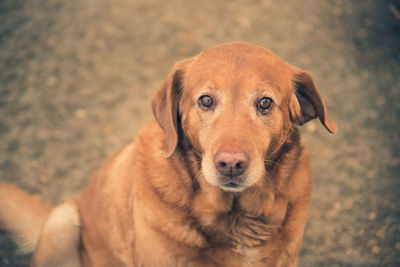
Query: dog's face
pixel 236 104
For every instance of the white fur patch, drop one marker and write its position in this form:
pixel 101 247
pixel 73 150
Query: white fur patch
pixel 59 240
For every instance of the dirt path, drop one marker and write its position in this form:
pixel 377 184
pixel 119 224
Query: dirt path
pixel 76 78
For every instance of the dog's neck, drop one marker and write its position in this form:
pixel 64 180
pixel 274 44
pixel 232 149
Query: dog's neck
pixel 285 149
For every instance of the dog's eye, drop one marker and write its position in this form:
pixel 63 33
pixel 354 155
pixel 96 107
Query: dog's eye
pixel 205 101
pixel 264 105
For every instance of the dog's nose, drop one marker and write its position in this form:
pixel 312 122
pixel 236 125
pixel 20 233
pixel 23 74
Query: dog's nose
pixel 231 163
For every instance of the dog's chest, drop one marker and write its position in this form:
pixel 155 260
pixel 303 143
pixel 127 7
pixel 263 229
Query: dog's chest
pixel 241 238
pixel 239 230
pixel 249 231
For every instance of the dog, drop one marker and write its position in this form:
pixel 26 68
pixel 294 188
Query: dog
pixel 219 178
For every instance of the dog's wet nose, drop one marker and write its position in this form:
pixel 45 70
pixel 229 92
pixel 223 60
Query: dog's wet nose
pixel 232 163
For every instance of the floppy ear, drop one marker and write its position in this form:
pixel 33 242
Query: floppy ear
pixel 165 106
pixel 306 103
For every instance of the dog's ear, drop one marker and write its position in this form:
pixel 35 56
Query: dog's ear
pixel 165 106
pixel 306 103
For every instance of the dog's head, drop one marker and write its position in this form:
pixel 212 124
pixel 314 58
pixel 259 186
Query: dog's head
pixel 236 104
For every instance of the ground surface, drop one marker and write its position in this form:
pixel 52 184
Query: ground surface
pixel 76 78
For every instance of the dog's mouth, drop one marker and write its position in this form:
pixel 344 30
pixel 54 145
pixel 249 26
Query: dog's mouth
pixel 232 183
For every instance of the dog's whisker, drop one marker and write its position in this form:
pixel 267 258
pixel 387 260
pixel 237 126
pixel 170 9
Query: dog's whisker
pixel 271 162
pixel 196 177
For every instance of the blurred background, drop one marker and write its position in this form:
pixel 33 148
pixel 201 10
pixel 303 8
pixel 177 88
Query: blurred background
pixel 76 78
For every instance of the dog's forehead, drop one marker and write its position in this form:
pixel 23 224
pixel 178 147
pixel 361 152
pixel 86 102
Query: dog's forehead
pixel 240 64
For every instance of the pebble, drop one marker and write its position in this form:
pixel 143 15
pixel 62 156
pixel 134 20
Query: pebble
pixel 80 113
pixel 310 127
pixel 372 216
pixel 376 250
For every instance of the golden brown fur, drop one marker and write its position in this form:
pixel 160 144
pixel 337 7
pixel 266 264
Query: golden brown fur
pixel 162 200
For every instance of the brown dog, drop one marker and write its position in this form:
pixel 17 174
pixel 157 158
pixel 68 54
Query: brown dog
pixel 219 179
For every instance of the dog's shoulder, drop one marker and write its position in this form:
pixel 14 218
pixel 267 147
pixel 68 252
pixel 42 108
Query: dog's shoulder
pixel 106 211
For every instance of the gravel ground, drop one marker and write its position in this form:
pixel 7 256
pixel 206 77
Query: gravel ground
pixel 76 78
